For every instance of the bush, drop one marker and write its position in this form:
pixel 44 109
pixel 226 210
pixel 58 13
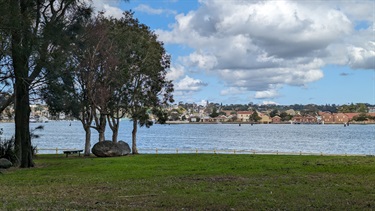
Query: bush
pixel 7 149
pixel 7 145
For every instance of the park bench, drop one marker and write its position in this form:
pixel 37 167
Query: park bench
pixel 68 152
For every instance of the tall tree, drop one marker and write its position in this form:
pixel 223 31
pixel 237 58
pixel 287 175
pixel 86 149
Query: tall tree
pixel 144 63
pixel 35 30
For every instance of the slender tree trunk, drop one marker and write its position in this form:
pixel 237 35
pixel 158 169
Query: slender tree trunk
pixel 134 137
pixel 87 140
pixel 114 125
pixel 115 134
pixel 101 126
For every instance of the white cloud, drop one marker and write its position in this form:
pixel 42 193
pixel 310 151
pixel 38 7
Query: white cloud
pixel 362 58
pixel 189 84
pixel 110 8
pixel 254 45
pixel 152 11
pixel 269 103
pixel 266 94
pixel 175 72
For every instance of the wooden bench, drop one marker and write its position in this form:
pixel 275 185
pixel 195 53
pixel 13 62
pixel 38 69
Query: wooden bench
pixel 68 152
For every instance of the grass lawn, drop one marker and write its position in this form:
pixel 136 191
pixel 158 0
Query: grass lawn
pixel 191 182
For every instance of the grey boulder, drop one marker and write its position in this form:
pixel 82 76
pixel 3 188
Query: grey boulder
pixel 125 148
pixel 110 149
pixel 5 163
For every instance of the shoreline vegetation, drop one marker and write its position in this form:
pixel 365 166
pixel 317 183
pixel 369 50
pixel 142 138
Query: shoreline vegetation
pixel 191 182
pixel 234 123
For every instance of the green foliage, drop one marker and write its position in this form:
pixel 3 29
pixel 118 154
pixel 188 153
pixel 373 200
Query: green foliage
pixel 285 117
pixel 254 117
pixel 361 117
pixel 352 108
pixel 7 149
pixel 214 112
pixel 274 113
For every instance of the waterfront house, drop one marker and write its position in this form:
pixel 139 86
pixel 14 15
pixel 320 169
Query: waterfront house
pixel 351 115
pixel 308 119
pixel 340 118
pixel 244 116
pixel 276 119
pixel 326 117
pixel 221 118
pixel 265 119
pixel 297 119
pixel 207 119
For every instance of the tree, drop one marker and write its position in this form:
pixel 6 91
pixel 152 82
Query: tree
pixel 214 113
pixel 274 112
pixel 34 32
pixel 88 82
pixel 144 62
pixel 254 117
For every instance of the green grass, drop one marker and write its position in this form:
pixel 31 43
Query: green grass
pixel 191 182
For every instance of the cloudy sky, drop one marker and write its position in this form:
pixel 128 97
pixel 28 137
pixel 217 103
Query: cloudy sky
pixel 284 52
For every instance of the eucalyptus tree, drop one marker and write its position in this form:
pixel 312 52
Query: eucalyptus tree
pixel 144 63
pixel 84 88
pixel 36 33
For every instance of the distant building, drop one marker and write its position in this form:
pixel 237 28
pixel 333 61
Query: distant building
pixel 276 119
pixel 244 116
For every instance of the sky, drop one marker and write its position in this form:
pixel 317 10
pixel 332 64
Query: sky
pixel 264 52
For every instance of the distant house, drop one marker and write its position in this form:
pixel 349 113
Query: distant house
pixel 265 119
pixel 351 115
pixel 244 116
pixel 297 119
pixel 221 118
pixel 326 117
pixel 308 119
pixel 340 118
pixel 276 119
pixel 207 119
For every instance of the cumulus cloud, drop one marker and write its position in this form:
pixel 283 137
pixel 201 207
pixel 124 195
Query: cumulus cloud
pixel 189 84
pixel 175 72
pixel 260 45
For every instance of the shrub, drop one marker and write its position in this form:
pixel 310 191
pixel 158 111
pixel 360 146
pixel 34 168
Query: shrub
pixel 7 149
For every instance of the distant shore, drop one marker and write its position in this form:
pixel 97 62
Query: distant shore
pixel 257 123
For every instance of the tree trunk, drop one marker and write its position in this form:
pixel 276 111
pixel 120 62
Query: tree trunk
pixel 115 134
pixel 87 141
pixel 22 119
pixel 114 125
pixel 20 55
pixel 134 137
pixel 101 127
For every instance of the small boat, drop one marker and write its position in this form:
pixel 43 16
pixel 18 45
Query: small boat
pixel 33 120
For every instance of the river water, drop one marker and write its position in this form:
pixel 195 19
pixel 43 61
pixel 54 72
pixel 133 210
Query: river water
pixel 327 139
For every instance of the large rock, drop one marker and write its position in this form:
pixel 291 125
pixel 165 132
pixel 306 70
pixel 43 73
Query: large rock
pixel 5 163
pixel 125 148
pixel 110 149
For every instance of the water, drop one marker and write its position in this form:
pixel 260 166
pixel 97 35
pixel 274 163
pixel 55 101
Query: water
pixel 327 139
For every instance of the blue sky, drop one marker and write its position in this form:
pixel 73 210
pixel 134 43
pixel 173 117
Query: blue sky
pixel 283 52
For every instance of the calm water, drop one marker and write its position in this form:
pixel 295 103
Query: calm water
pixel 328 139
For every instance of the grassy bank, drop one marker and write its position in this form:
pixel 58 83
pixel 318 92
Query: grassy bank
pixel 191 182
